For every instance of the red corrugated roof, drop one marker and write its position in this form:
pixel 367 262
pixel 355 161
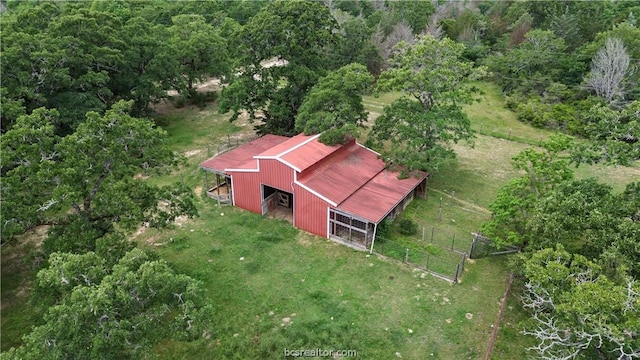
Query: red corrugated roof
pixel 242 156
pixel 285 146
pixel 351 176
pixel 300 152
pixel 343 173
pixel 380 195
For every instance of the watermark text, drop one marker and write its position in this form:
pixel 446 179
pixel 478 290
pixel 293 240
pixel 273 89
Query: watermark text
pixel 330 353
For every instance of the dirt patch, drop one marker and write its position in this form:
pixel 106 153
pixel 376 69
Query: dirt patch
pixel 191 153
pixel 304 239
pixel 181 220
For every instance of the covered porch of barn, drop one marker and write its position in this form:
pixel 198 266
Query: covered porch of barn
pixel 218 185
pixel 355 221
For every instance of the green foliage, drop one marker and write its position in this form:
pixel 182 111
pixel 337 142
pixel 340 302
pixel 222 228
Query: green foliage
pixel 532 65
pixel 334 106
pixel 198 49
pixel 112 312
pixel 87 179
pixel 297 32
pixel 577 311
pixel 414 13
pixel 516 201
pixel 422 128
pixel 407 227
pixel 355 45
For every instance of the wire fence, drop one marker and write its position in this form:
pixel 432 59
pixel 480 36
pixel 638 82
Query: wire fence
pixel 482 246
pixel 444 263
pixel 226 145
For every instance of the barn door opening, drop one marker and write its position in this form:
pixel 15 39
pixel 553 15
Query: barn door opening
pixel 277 203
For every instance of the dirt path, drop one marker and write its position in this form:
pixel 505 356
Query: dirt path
pixel 496 326
pixel 465 203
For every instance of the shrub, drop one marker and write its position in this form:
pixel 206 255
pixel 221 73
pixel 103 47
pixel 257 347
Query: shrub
pixel 407 227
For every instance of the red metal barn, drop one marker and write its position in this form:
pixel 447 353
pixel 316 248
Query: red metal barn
pixel 340 192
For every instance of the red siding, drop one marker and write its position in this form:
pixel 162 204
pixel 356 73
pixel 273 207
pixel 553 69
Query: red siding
pixel 276 174
pixel 246 191
pixel 310 212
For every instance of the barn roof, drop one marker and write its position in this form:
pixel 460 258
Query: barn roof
pixel 242 157
pixel 344 173
pixel 299 152
pixel 351 177
pixel 380 195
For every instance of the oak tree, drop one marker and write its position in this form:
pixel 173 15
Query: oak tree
pixel 334 106
pixel 422 125
pixel 296 35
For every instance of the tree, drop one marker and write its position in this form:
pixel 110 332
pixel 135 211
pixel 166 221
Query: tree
pixel 334 106
pixel 355 45
pixel 532 65
pixel 516 201
pixel 112 312
pixel 297 32
pixel 614 135
pixel 610 71
pixel 199 50
pixel 88 177
pixel 150 67
pixel 578 312
pixel 629 34
pixel 422 125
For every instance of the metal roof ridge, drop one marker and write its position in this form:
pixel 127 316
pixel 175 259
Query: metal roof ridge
pixel 297 146
pixel 329 157
pixel 363 185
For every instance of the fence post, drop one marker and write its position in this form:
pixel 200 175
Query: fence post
pixel 433 229
pixel 406 256
pixel 453 240
pixel 423 233
pixel 453 196
pixel 457 271
pixel 428 257
pixel 473 245
pixel 228 141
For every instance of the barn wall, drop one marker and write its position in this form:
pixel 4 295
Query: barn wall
pixel 276 174
pixel 310 212
pixel 246 191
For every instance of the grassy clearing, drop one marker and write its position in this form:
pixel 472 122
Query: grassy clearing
pixel 17 268
pixel 372 312
pixel 489 117
pixel 274 288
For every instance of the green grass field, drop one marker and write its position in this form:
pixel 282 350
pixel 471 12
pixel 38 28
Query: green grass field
pixel 272 287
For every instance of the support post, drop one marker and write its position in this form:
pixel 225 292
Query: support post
pixel 406 255
pixel 375 228
pixel 433 229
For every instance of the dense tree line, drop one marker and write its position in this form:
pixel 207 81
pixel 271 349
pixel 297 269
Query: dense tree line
pixel 78 79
